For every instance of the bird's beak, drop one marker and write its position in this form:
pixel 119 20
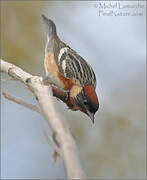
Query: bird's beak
pixel 91 115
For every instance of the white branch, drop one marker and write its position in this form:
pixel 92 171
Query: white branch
pixel 61 132
pixel 21 102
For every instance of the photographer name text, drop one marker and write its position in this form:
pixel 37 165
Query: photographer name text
pixel 118 8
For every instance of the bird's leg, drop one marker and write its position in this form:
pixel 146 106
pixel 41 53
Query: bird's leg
pixel 63 95
pixel 59 93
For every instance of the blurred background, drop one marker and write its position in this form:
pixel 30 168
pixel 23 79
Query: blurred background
pixel 114 43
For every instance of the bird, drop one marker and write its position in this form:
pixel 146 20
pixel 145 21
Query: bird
pixel 69 71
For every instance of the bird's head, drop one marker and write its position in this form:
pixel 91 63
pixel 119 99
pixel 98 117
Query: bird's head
pixel 85 100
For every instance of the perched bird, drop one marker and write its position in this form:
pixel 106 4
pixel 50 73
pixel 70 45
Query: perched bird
pixel 69 71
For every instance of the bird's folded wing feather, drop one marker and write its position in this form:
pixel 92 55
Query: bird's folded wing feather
pixel 72 65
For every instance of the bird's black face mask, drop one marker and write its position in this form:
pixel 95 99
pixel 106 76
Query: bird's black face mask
pixel 86 105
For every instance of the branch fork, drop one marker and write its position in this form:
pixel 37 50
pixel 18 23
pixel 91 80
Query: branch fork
pixel 63 141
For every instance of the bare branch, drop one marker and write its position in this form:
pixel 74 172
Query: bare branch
pixel 62 136
pixel 18 74
pixel 21 102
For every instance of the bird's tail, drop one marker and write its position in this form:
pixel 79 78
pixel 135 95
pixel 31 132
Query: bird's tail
pixel 50 27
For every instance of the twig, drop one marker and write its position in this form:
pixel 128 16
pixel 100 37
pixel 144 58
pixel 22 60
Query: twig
pixel 21 102
pixel 57 152
pixel 63 137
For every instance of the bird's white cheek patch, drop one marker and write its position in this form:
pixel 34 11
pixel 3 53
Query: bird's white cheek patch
pixel 75 90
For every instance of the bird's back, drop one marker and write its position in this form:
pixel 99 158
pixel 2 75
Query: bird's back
pixel 73 66
pixel 68 65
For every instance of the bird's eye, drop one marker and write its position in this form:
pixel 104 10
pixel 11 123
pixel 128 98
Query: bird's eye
pixel 85 102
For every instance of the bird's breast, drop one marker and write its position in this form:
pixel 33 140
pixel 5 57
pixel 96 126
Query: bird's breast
pixel 52 71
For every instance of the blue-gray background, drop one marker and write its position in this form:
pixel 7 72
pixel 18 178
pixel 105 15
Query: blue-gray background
pixel 115 146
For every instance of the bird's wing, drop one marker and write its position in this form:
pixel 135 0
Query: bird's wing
pixel 71 65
